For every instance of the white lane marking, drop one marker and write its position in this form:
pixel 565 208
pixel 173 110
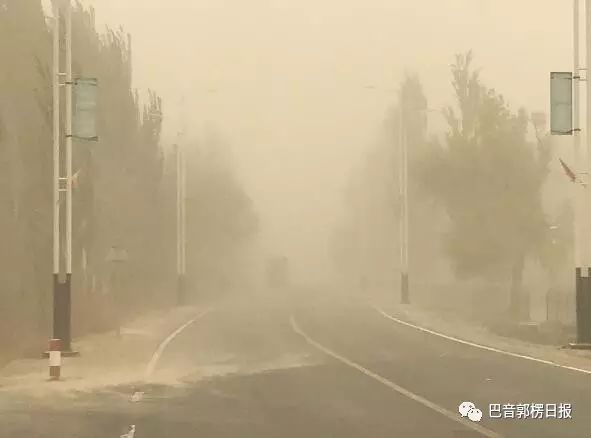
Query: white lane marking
pixel 130 434
pixel 158 353
pixel 137 396
pixel 451 415
pixel 482 347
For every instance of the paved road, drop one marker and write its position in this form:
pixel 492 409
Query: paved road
pixel 246 373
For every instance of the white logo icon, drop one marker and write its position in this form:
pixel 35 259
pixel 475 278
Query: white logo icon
pixel 468 409
pixel 475 414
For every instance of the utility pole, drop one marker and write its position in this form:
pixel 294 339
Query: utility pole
pixel 68 129
pixel 580 159
pixel 581 156
pixel 181 206
pixel 403 173
pixel 181 221
pixel 62 290
pixel 578 192
pixel 56 169
pixel 583 291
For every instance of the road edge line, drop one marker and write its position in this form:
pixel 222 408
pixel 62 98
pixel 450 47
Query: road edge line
pixel 160 350
pixel 388 383
pixel 480 346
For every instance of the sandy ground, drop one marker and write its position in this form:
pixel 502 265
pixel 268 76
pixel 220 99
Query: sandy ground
pixel 242 370
pixel 105 359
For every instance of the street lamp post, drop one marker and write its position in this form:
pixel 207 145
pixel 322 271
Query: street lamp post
pixel 583 278
pixel 403 193
pixel 404 204
pixel 56 160
pixel 578 200
pixel 62 291
pixel 403 172
pixel 580 175
pixel 181 221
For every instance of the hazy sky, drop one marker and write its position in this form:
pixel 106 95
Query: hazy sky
pixel 284 80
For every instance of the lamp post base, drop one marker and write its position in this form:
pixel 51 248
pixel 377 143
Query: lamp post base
pixel 181 290
pixel 62 311
pixel 404 292
pixel 583 307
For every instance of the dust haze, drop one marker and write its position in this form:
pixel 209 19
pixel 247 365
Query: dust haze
pixel 294 218
pixel 286 83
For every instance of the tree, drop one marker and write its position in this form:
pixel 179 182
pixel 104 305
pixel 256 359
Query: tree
pixel 221 220
pixel 488 178
pixel 366 242
pixel 124 193
pixel 100 198
pixel 425 216
pixel 25 169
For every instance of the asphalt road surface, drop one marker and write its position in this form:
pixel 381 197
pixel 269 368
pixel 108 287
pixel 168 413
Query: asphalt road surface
pixel 314 371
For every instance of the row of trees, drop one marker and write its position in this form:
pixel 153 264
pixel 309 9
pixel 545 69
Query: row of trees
pixel 475 197
pixel 124 191
pixel 223 224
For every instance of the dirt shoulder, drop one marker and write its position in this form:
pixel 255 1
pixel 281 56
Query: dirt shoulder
pixel 105 359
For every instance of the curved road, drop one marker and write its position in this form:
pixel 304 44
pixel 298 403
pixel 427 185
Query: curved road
pixel 247 373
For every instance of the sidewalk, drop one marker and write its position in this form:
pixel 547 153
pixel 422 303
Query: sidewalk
pixel 454 326
pixel 105 359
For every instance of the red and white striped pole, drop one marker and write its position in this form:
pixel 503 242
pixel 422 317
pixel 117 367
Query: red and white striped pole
pixel 55 358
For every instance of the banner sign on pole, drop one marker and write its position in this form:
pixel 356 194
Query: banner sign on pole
pixel 85 108
pixel 561 103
